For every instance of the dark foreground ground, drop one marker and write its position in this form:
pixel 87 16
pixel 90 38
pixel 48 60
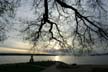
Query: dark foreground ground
pixel 50 66
pixel 26 67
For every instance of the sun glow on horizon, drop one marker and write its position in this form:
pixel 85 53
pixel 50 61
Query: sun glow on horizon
pixel 12 50
pixel 56 48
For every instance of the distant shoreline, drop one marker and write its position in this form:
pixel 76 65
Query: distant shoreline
pixel 28 54
pixel 25 54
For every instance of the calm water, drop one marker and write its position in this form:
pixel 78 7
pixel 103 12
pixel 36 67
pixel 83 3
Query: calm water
pixel 66 59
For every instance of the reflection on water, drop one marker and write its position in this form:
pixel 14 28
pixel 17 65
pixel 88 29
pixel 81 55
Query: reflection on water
pixel 66 59
pixel 57 58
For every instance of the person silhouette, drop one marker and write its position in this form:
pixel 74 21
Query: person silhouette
pixel 31 59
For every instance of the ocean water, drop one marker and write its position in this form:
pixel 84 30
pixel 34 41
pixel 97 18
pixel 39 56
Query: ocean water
pixel 97 60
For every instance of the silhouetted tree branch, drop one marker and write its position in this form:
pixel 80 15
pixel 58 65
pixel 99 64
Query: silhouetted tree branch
pixel 7 12
pixel 83 15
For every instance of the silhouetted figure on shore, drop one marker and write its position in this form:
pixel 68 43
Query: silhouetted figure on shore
pixel 31 59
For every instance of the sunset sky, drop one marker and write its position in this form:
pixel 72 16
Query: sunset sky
pixel 15 42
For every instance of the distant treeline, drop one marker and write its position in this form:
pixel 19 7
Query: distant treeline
pixel 25 54
pixel 99 54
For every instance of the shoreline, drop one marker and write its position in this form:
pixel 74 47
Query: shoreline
pixel 44 66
